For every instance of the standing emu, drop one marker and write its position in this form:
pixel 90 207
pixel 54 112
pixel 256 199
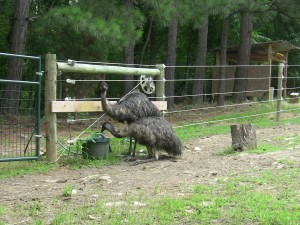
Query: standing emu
pixel 153 132
pixel 130 108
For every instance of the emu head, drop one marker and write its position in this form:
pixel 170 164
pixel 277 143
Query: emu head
pixel 107 126
pixel 103 86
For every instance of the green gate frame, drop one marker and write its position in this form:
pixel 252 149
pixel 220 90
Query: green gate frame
pixel 36 131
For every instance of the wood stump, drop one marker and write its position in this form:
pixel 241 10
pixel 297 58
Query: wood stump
pixel 243 137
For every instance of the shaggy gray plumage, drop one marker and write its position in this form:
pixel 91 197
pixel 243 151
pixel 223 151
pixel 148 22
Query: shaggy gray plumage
pixel 153 132
pixel 130 108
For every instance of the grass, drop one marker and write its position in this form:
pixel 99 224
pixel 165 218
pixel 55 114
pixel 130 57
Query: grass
pixel 2 210
pixel 11 169
pixel 67 190
pixel 221 124
pixel 281 142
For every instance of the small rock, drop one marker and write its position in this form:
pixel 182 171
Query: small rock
pixel 280 166
pixel 96 178
pixel 74 192
pixel 90 178
pixel 62 181
pixel 117 194
pixel 94 196
pixel 106 178
pixel 213 173
pixel 51 181
pixel 115 204
pixel 197 149
pixel 206 204
pixel 90 217
pixel 139 204
pixel 189 210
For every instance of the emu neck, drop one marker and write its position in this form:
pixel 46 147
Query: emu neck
pixel 104 101
pixel 116 134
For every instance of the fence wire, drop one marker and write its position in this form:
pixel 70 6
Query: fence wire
pixel 183 94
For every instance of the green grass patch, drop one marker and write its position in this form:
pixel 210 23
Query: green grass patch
pixel 2 210
pixel 10 169
pixel 67 190
pixel 262 147
pixel 262 115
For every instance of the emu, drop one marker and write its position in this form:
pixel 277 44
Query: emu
pixel 153 132
pixel 130 108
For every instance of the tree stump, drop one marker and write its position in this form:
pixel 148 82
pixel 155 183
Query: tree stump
pixel 243 137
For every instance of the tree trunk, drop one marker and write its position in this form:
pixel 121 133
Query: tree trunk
pixel 146 41
pixel 153 45
pixel 243 137
pixel 240 84
pixel 129 50
pixel 17 46
pixel 223 59
pixel 198 86
pixel 171 61
pixel 186 72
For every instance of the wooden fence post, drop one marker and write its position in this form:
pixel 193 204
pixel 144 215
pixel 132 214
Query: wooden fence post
pixel 160 85
pixel 279 90
pixel 50 95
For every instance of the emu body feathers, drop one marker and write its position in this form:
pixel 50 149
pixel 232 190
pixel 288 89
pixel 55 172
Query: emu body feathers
pixel 153 132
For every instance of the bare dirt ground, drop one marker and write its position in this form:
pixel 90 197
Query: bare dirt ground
pixel 199 164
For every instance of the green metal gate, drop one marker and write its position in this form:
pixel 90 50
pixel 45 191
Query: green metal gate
pixel 20 103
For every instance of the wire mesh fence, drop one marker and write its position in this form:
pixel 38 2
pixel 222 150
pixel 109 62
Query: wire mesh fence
pixel 18 120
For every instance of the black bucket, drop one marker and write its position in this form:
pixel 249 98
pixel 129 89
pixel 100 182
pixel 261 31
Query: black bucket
pixel 96 147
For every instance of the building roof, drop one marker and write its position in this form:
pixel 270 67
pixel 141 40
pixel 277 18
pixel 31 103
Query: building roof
pixel 259 51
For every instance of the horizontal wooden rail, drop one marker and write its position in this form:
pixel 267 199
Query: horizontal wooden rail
pixel 89 106
pixel 94 69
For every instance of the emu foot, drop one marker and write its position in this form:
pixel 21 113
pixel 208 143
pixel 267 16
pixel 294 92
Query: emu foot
pixel 130 159
pixel 141 161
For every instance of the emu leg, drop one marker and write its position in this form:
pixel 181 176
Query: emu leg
pixel 131 156
pixel 130 146
pixel 134 149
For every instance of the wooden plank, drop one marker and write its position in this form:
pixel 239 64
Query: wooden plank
pixel 90 106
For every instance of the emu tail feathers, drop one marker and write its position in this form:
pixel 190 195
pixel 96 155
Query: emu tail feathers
pixel 176 148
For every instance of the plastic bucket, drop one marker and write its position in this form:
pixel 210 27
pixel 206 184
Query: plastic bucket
pixel 95 147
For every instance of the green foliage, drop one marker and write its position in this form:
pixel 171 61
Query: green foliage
pixel 6 13
pixel 67 191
